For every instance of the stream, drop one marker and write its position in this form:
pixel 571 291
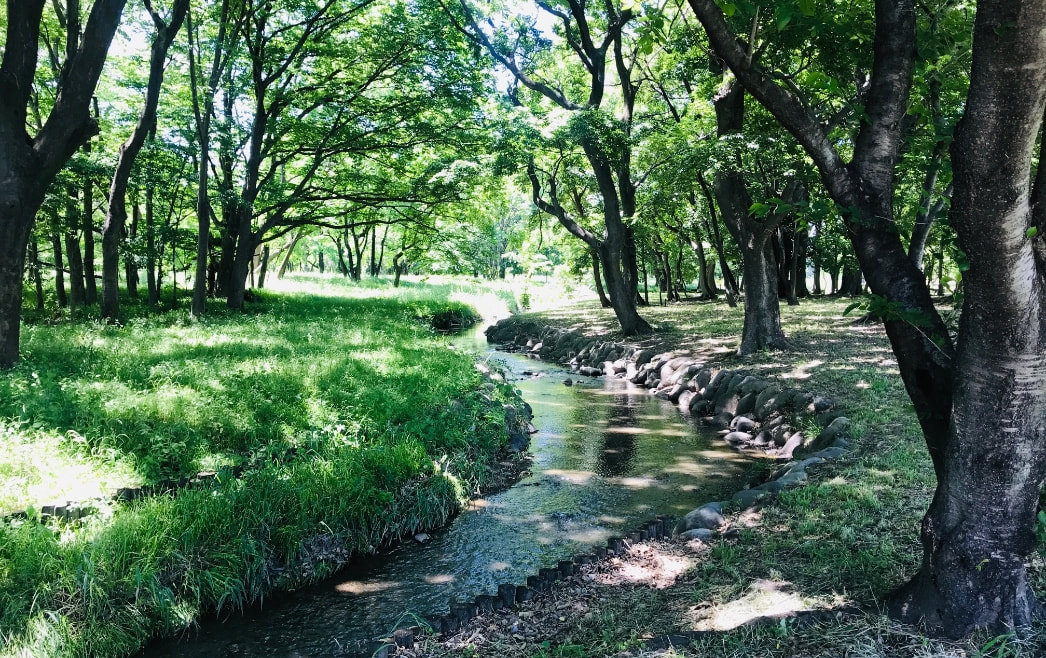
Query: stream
pixel 607 456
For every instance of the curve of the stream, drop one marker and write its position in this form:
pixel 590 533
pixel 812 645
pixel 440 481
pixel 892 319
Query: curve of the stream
pixel 607 456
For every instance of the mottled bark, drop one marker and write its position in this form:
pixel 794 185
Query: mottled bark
pixel 762 323
pixel 979 530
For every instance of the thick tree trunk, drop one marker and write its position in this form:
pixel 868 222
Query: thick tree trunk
pixel 14 241
pixel 246 244
pixel 979 530
pixel 762 324
pixel 29 164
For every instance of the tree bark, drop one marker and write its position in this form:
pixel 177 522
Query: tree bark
pixel 90 284
pixel 981 406
pixel 598 278
pixel 59 269
pixel 74 258
pixel 979 529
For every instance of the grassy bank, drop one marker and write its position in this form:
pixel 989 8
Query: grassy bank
pixel 804 576
pixel 345 417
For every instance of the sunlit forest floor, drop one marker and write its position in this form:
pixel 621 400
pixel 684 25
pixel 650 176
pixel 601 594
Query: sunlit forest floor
pixel 807 574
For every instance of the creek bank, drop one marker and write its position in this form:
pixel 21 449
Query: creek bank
pixel 752 414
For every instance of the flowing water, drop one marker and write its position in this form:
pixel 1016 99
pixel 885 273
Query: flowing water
pixel 607 456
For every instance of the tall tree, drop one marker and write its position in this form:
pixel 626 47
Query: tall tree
pixel 597 41
pixel 29 163
pixel 116 218
pixel 981 405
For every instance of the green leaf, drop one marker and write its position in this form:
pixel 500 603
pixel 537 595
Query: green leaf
pixel 760 209
pixel 855 305
pixel 1032 231
pixel 729 8
pixel 783 15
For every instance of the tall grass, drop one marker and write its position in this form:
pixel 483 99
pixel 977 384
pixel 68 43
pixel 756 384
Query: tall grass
pixel 353 422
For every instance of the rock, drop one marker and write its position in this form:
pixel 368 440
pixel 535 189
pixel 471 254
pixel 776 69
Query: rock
pixel 829 453
pixel 746 404
pixel 712 389
pixel 841 443
pixel 737 438
pixel 835 429
pixel 721 420
pixel 790 445
pixel 685 398
pixel 589 371
pixel 792 477
pixel 643 357
pixel 708 516
pixel 700 534
pixel 517 441
pixel 742 424
pixel 726 401
pixel 421 538
pixel 820 404
pixel 676 392
pixel 773 487
pixel 699 407
pixel 754 385
pixel 701 379
pixel 766 402
pixel 748 497
pixel 568 382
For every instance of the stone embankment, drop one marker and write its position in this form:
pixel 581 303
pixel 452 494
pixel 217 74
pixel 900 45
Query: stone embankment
pixel 752 413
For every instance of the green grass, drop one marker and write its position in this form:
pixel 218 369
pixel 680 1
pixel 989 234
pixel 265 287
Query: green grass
pixel 353 421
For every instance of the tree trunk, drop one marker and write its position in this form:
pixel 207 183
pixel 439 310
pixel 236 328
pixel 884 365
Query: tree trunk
pixel 729 282
pixel 77 291
pixel 130 265
pixel 264 266
pixel 762 323
pixel 59 270
pixel 38 279
pixel 979 530
pixel 287 256
pixel 598 278
pixel 151 275
pixel 90 284
pixel 29 164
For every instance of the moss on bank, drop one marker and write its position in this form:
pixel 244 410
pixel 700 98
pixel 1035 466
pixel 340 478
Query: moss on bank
pixel 346 423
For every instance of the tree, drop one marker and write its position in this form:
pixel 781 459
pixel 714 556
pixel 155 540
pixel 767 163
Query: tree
pixel 980 405
pixel 28 163
pixel 113 228
pixel 594 43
